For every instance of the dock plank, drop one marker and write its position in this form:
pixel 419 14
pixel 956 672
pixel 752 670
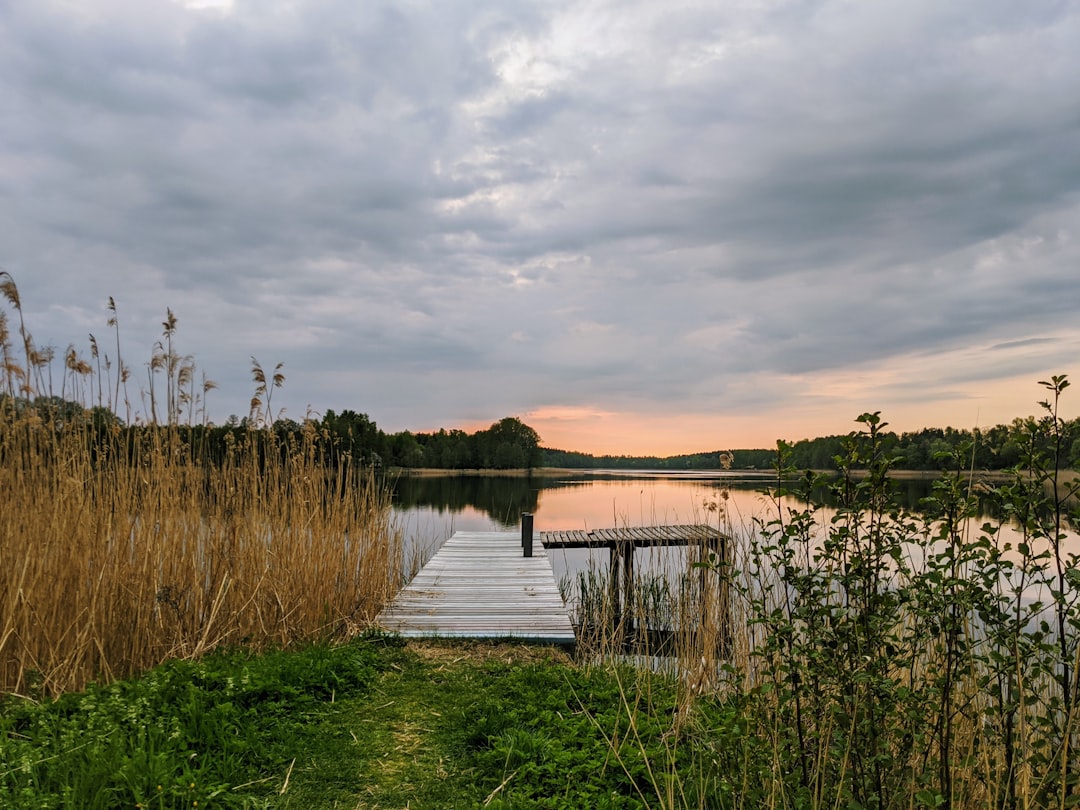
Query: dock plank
pixel 639 537
pixel 478 585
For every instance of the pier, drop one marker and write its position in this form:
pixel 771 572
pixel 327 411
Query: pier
pixel 481 585
pixel 621 545
pixel 487 585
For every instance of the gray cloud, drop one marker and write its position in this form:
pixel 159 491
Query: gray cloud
pixel 438 212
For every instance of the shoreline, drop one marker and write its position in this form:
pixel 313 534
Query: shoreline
pixel 1066 477
pixel 519 472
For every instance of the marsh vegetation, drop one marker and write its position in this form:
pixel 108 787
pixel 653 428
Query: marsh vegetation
pixel 866 655
pixel 123 547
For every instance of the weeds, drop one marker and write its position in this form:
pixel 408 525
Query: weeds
pixel 372 723
pixel 220 732
pixel 125 545
pixel 875 657
pixel 899 660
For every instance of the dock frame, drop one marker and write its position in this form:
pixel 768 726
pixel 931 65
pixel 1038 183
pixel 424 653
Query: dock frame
pixel 494 585
pixel 481 585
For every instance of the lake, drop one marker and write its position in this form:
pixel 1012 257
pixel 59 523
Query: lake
pixel 430 508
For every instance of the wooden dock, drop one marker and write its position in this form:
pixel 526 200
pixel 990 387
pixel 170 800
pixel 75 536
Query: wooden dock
pixel 634 537
pixel 623 542
pixel 480 585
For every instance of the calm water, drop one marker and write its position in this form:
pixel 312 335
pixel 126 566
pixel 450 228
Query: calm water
pixel 430 509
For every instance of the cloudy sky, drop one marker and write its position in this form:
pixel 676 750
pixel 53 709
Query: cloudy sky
pixel 641 227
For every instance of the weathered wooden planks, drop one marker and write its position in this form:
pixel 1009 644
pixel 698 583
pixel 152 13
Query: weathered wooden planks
pixel 636 536
pixel 479 585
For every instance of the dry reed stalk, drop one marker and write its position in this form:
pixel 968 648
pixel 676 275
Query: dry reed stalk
pixel 119 551
pixel 683 613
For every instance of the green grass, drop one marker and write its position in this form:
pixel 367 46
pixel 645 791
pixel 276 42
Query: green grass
pixel 221 732
pixel 369 724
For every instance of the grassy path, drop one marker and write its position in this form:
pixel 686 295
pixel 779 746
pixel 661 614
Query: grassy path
pixel 373 724
pixel 397 746
pixel 475 725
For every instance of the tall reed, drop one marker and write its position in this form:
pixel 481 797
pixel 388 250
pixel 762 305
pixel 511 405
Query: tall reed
pixel 677 612
pixel 121 547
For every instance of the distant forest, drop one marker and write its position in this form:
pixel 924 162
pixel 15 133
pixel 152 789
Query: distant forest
pixel 511 444
pixel 996 448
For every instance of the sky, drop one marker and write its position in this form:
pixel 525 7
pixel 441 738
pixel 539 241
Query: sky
pixel 640 227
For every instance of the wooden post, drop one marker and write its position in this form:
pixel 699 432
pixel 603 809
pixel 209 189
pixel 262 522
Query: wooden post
pixel 527 533
pixel 725 641
pixel 628 590
pixel 613 573
pixel 715 550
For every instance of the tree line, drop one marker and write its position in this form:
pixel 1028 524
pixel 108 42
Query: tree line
pixel 712 460
pixel 999 447
pixel 506 444
pixel 511 444
pixel 929 449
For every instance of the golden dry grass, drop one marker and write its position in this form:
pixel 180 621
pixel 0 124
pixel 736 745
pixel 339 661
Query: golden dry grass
pixel 117 557
pixel 119 549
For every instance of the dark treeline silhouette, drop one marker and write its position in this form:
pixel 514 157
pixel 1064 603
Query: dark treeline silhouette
pixel 507 444
pixel 996 448
pixel 738 460
pixel 511 444
pixel 337 437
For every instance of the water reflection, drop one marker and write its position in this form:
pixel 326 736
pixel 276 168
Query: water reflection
pixel 593 499
pixel 610 498
pixel 502 498
pixel 431 508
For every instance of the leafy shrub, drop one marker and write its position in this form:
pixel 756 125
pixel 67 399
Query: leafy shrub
pixel 897 658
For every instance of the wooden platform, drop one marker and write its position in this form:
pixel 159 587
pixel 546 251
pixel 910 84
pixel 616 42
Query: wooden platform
pixel 621 544
pixel 479 585
pixel 635 536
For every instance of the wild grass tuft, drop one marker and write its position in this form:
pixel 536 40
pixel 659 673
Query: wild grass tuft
pixel 124 545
